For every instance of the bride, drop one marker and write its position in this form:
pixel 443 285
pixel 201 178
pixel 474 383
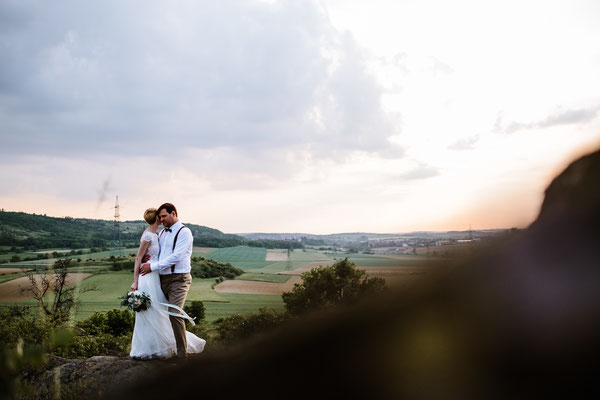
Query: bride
pixel 152 333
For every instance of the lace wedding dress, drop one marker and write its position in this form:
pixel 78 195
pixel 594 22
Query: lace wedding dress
pixel 152 334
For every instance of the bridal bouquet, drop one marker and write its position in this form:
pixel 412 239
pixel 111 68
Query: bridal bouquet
pixel 136 301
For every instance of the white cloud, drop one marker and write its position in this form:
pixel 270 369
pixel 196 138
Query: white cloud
pixel 421 171
pixel 237 74
pixel 557 118
pixel 467 143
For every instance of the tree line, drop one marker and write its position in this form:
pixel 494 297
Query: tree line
pixel 32 231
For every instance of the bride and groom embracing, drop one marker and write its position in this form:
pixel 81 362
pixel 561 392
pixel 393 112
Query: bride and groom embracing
pixel 162 271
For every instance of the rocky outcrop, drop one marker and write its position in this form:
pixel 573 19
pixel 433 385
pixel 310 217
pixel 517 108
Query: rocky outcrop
pixel 64 378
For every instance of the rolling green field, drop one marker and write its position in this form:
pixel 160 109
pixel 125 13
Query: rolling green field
pixel 242 257
pixel 110 285
pixel 253 259
pixel 281 266
pixel 238 254
pixel 113 285
pixel 8 256
pixel 308 255
pixel 49 261
pixel 263 277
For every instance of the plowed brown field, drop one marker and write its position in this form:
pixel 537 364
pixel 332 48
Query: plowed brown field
pixel 11 291
pixel 4 271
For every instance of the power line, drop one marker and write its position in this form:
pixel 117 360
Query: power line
pixel 116 239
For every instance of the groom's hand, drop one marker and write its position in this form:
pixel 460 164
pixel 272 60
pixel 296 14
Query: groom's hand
pixel 145 268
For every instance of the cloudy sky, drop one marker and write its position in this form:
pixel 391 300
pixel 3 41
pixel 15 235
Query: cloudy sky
pixel 296 115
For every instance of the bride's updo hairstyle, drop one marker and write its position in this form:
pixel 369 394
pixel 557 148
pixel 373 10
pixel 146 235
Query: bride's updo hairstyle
pixel 150 215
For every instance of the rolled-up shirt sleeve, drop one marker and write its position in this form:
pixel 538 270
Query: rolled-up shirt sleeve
pixel 183 249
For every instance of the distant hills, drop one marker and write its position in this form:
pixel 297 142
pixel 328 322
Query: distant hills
pixel 363 236
pixel 41 231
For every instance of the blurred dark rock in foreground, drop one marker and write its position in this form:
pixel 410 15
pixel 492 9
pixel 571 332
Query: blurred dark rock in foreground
pixel 519 320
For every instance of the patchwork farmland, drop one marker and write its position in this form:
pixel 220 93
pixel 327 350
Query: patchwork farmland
pixel 267 274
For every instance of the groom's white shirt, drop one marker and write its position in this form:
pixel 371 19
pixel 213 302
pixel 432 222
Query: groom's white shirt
pixel 180 256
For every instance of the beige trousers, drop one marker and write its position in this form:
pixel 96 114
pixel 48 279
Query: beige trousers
pixel 176 287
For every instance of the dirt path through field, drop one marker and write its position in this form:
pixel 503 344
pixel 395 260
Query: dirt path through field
pixel 11 291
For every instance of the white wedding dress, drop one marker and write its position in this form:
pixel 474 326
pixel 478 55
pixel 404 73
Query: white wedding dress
pixel 152 334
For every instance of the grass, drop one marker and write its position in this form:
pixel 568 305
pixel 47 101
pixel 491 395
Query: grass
pixel 201 251
pixel 113 284
pixel 263 277
pixel 108 253
pixel 241 304
pixel 281 266
pixel 368 260
pixel 252 265
pixel 48 261
pixel 308 255
pixel 8 256
pixel 238 254
pixel 202 290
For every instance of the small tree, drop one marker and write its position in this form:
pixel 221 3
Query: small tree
pixel 340 283
pixel 119 322
pixel 59 309
pixel 195 310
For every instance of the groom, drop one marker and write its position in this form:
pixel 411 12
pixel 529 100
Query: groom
pixel 174 267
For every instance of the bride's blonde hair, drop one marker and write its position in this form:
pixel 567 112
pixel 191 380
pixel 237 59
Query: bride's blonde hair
pixel 150 215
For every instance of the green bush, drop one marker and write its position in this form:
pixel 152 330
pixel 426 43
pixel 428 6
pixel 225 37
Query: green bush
pixel 19 324
pixel 195 310
pixel 114 322
pixel 203 268
pixel 122 265
pixel 120 322
pixel 201 330
pixel 340 283
pixel 103 344
pixel 238 326
pixel 106 334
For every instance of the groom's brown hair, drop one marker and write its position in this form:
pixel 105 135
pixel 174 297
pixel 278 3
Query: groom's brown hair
pixel 169 207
